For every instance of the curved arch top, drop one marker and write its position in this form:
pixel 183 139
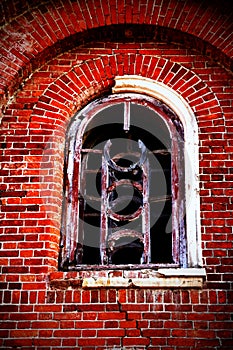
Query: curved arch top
pixel 158 90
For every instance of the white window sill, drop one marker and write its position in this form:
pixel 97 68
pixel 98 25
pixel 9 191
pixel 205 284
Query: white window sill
pixel 162 278
pixel 147 278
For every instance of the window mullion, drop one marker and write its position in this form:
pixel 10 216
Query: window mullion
pixel 126 115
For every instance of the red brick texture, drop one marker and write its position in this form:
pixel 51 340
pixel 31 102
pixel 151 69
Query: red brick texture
pixel 56 57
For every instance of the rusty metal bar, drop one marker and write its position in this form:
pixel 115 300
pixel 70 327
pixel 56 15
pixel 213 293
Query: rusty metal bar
pixel 121 182
pixel 128 217
pixel 115 236
pixel 116 167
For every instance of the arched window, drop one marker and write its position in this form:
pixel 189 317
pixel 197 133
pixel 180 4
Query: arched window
pixel 124 186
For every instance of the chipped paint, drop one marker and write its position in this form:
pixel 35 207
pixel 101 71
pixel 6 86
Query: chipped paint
pixel 151 282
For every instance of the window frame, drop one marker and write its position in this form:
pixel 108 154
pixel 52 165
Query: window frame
pixel 133 84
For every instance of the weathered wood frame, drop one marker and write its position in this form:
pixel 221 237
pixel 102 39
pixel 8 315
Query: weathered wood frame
pixel 71 241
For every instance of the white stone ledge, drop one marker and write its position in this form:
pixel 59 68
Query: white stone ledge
pixel 163 278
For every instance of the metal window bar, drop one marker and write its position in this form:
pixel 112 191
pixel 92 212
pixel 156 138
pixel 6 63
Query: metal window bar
pixel 107 237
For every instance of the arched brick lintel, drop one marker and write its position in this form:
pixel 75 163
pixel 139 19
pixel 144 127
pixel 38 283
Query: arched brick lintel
pixel 93 78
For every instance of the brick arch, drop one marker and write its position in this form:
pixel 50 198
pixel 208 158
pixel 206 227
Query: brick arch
pixel 95 77
pixel 31 38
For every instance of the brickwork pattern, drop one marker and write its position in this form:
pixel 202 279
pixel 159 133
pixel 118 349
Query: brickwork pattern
pixel 54 84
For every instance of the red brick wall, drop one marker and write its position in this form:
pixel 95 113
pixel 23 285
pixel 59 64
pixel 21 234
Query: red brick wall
pixel 56 58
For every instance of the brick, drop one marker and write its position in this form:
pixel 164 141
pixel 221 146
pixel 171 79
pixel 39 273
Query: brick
pixel 111 324
pixel 181 342
pixel 127 324
pixel 91 342
pixel 136 341
pixel 89 333
pixel 159 341
pixel 18 342
pixel 44 324
pixel 44 342
pixel 24 333
pixel 166 333
pixel 69 342
pixel 111 333
pixel 111 316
